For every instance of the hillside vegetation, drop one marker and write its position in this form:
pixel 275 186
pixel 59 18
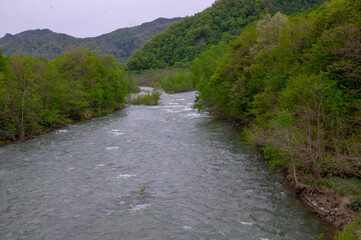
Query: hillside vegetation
pixel 292 84
pixel 186 39
pixel 49 45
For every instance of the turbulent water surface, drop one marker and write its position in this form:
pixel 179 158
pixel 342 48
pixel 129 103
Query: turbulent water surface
pixel 85 181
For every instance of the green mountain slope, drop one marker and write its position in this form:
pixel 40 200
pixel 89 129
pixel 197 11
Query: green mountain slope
pixel 49 45
pixel 184 40
pixel 293 84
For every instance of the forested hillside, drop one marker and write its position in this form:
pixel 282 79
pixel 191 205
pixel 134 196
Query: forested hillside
pixel 293 85
pixel 49 45
pixel 38 95
pixel 186 39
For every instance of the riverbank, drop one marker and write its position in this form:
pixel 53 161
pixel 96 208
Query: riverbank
pixel 87 115
pixel 323 204
pixel 145 97
pixel 331 204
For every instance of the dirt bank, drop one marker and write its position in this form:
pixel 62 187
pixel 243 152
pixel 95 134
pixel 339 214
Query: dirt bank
pixel 328 205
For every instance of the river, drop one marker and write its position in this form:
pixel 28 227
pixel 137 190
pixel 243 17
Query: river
pixel 199 182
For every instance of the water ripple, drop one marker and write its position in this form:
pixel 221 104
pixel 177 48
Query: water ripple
pixel 84 182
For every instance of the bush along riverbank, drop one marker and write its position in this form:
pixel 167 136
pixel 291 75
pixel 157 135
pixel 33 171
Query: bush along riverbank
pixel 37 96
pixel 292 85
pixel 146 97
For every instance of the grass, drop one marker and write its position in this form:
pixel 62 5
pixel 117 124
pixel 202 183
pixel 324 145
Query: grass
pixel 149 98
pixel 351 232
pixel 343 186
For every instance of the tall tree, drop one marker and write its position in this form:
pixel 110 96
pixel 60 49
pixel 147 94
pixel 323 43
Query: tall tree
pixel 22 67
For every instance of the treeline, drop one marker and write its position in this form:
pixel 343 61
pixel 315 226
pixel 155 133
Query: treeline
pixel 293 84
pixel 183 41
pixel 38 95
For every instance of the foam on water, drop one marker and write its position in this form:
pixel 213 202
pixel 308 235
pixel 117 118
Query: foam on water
pixel 193 115
pixel 140 207
pixel 177 108
pixel 112 148
pixel 187 228
pixel 116 132
pixel 247 223
pixel 125 176
pixel 100 166
pixel 62 131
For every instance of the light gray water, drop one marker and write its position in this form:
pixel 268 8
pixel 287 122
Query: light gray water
pixel 83 182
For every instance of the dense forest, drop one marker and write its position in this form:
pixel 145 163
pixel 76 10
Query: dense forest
pixel 38 95
pixel 294 84
pixel 49 45
pixel 186 39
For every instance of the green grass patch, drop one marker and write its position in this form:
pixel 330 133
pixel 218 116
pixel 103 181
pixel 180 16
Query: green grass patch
pixel 149 98
pixel 344 186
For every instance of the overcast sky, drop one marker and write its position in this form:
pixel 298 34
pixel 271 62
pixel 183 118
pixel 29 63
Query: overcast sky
pixel 90 18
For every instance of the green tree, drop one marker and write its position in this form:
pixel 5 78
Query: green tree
pixel 22 68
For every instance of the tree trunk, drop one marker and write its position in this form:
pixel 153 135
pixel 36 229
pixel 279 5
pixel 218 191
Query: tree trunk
pixel 22 133
pixel 22 125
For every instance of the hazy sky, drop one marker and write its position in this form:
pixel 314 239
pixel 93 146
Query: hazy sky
pixel 89 18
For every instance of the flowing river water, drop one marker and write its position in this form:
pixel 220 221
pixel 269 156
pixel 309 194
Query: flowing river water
pixel 85 181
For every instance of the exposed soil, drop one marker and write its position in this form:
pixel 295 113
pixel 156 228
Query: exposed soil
pixel 329 206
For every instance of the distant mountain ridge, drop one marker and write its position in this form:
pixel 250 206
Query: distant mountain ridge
pixel 49 45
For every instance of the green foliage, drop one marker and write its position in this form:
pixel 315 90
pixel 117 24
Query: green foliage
pixel 149 98
pixel 320 237
pixel 131 85
pixel 343 186
pixel 186 39
pixel 37 96
pixel 277 158
pixel 355 204
pixel 142 193
pixel 182 81
pixel 294 84
pixel 205 64
pixel 351 232
pixel 49 45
